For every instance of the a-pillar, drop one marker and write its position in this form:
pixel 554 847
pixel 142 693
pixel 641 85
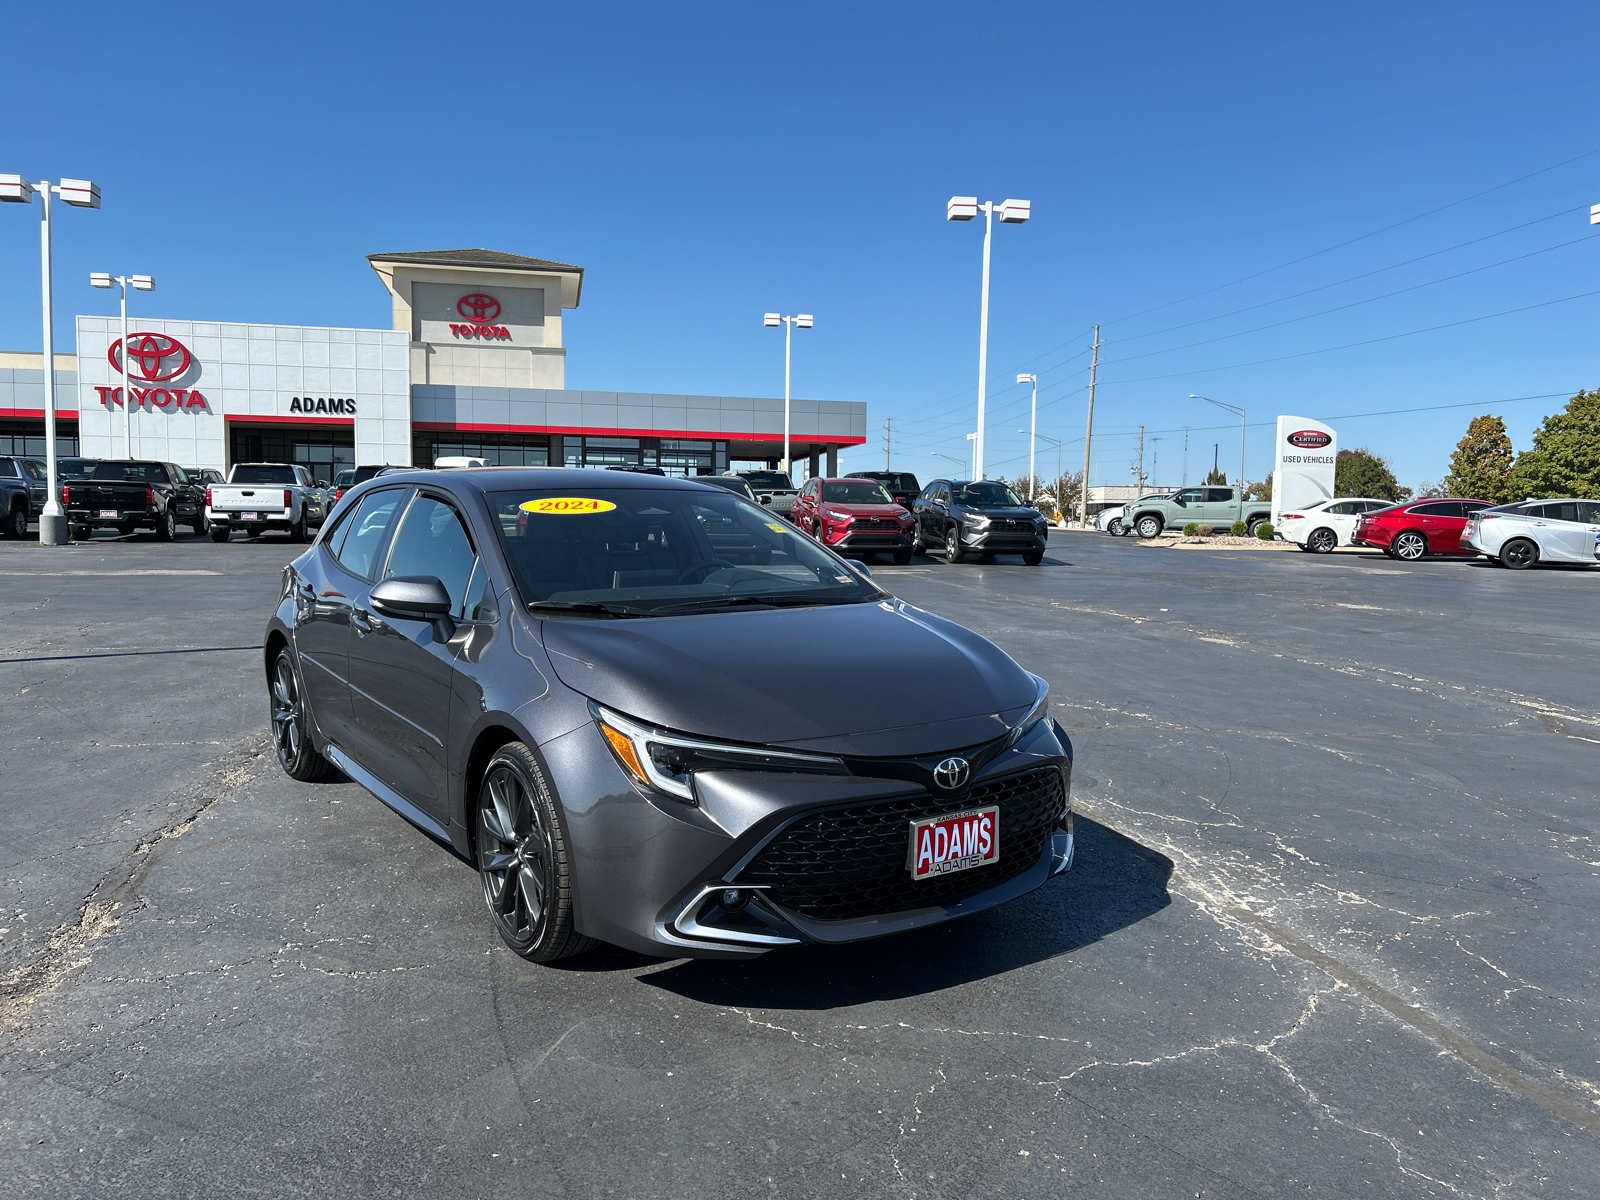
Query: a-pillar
pixel 815 465
pixel 833 462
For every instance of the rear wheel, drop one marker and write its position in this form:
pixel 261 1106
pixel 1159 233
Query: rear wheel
pixel 296 755
pixel 297 531
pixel 202 525
pixel 166 526
pixel 219 533
pixel 1519 554
pixel 81 533
pixel 1321 541
pixel 954 551
pixel 524 860
pixel 1254 524
pixel 1409 546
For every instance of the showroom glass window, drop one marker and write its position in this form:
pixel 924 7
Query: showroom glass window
pixel 432 540
pixel 355 544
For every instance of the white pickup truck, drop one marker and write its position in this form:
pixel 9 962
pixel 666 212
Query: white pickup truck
pixel 262 496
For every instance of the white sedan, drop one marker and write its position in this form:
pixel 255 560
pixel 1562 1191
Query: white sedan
pixel 1320 527
pixel 1532 531
pixel 1110 520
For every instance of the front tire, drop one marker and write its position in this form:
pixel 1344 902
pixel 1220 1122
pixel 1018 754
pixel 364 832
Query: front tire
pixel 902 558
pixel 1114 527
pixel 1409 546
pixel 1148 527
pixel 954 551
pixel 17 523
pixel 1519 554
pixel 1321 541
pixel 1033 557
pixel 524 860
pixel 290 730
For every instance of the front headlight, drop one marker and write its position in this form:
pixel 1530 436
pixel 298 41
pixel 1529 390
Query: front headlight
pixel 666 762
pixel 1039 712
pixel 976 520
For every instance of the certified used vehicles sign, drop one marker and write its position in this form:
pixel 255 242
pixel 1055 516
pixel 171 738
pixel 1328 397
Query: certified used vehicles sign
pixel 959 842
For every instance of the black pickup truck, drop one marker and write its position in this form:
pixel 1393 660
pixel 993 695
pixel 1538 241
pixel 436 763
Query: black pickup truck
pixel 128 495
pixel 23 491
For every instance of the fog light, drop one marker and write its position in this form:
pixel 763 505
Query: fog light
pixel 733 899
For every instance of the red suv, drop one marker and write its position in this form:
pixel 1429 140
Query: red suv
pixel 854 515
pixel 1409 531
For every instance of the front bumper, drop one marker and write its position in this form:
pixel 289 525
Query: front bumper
pixel 851 538
pixel 651 873
pixel 1003 541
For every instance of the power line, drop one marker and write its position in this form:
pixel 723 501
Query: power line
pixel 1349 345
pixel 1361 237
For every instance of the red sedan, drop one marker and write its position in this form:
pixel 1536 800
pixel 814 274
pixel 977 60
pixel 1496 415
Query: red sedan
pixel 1409 531
pixel 854 515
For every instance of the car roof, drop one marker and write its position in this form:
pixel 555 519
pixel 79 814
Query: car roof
pixel 498 479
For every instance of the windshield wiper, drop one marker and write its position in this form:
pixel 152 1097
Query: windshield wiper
pixel 600 607
pixel 750 601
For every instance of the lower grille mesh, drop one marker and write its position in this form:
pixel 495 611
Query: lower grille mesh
pixel 851 862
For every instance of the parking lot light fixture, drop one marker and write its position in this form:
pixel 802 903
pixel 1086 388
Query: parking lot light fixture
pixel 1594 214
pixel 1012 212
pixel 1233 408
pixel 79 193
pixel 949 458
pixel 1033 423
pixel 139 283
pixel 772 321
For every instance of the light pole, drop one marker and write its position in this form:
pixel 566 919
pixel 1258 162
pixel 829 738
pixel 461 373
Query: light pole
pixel 973 438
pixel 141 283
pixel 1033 423
pixel 1057 445
pixel 772 321
pixel 1012 212
pixel 1233 408
pixel 79 193
pixel 949 458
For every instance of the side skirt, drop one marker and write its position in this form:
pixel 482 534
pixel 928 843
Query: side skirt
pixel 386 793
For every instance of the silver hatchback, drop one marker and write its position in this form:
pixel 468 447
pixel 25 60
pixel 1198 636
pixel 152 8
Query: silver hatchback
pixel 1533 531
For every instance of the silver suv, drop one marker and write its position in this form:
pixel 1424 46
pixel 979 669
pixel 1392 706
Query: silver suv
pixel 1531 531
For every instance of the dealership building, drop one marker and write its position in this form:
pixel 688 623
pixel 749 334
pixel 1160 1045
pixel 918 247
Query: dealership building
pixel 473 365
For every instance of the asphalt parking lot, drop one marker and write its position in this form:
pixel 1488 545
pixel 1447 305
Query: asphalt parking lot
pixel 1330 931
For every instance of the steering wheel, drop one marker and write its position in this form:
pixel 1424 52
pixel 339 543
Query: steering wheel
pixel 698 572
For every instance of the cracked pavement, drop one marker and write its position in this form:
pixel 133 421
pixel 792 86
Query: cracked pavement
pixel 1338 848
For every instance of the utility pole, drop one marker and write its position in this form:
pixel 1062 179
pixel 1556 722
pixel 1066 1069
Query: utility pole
pixel 1088 432
pixel 1214 446
pixel 1155 460
pixel 1185 456
pixel 886 421
pixel 1141 459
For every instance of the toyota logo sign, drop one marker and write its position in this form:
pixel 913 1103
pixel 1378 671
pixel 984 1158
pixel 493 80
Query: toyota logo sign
pixel 155 356
pixel 478 307
pixel 1309 439
pixel 952 773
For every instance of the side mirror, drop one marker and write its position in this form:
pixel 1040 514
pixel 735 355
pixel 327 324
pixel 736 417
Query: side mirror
pixel 322 483
pixel 860 568
pixel 416 598
pixel 767 499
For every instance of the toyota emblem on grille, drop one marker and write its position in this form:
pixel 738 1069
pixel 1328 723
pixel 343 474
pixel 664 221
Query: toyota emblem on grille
pixel 952 773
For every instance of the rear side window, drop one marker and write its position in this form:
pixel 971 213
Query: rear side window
pixel 1567 510
pixel 433 541
pixel 1443 509
pixel 358 541
pixel 1215 494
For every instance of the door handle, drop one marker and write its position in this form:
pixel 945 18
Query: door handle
pixel 304 591
pixel 363 622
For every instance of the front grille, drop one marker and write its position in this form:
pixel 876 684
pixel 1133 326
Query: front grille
pixel 840 863
pixel 862 540
pixel 875 523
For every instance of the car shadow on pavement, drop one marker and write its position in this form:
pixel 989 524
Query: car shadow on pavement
pixel 1115 882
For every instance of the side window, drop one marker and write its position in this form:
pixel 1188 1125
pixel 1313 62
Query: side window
pixel 1444 509
pixel 431 540
pixel 357 542
pixel 944 494
pixel 1218 495
pixel 1591 511
pixel 1189 496
pixel 1340 510
pixel 1567 510
pixel 34 470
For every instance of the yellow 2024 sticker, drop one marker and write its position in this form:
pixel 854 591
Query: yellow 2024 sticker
pixel 566 506
pixel 776 528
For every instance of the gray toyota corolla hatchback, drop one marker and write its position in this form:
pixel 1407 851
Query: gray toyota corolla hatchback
pixel 653 714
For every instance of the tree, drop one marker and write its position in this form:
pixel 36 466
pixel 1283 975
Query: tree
pixel 1216 478
pixel 1360 472
pixel 1565 458
pixel 1259 491
pixel 1480 469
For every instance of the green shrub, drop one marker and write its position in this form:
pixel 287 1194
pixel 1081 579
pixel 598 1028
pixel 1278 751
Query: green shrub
pixel 1190 529
pixel 1204 530
pixel 1264 531
pixel 1239 529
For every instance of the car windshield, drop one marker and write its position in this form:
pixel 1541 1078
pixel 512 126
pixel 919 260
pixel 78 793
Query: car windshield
pixel 729 483
pixel 641 552
pixel 769 480
pixel 279 475
pixel 856 491
pixel 130 472
pixel 985 495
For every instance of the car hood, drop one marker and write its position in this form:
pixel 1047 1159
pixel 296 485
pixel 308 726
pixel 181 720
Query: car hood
pixel 862 510
pixel 875 679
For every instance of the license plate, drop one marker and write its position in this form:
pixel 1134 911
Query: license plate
pixel 249 516
pixel 958 842
pixel 108 514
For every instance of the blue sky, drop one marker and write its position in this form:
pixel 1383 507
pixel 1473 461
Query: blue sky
pixel 709 163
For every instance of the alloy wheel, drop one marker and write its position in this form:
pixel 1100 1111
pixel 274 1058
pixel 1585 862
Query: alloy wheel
pixel 1322 541
pixel 287 713
pixel 1519 554
pixel 514 856
pixel 1410 546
